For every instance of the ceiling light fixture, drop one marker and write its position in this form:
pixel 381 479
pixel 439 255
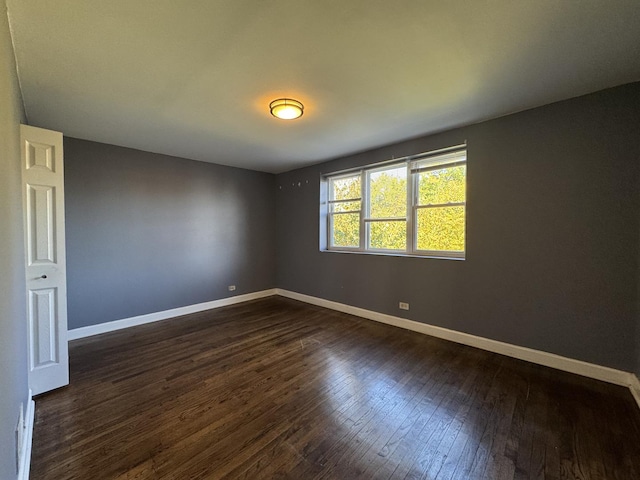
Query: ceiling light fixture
pixel 286 108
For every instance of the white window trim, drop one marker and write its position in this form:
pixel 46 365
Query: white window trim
pixel 414 164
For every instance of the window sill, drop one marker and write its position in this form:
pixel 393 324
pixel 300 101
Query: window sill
pixel 392 254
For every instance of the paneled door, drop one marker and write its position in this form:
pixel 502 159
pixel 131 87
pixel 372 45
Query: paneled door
pixel 43 205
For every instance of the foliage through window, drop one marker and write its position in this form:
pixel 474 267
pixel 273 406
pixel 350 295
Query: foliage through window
pixel 414 206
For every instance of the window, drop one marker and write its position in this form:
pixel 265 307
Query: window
pixel 412 206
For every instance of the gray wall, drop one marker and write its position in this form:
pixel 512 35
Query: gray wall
pixel 13 329
pixel 149 232
pixel 552 234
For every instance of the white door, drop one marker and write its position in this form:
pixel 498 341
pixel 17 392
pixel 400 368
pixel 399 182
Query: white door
pixel 43 204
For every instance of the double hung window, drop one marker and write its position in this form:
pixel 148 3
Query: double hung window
pixel 412 206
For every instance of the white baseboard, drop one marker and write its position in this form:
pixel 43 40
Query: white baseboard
pixel 27 440
pixel 114 325
pixel 591 370
pixel 579 367
pixel 635 388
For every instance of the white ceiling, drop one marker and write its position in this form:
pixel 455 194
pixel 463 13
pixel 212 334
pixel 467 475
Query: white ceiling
pixel 194 78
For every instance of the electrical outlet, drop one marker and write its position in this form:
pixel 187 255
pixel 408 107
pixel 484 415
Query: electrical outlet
pixel 404 306
pixel 232 288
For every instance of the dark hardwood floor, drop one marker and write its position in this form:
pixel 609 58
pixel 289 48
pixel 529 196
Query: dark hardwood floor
pixel 278 389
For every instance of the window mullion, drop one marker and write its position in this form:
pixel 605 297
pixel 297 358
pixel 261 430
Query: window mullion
pixel 329 185
pixel 409 211
pixel 364 208
pixel 348 200
pixel 385 219
pixel 443 205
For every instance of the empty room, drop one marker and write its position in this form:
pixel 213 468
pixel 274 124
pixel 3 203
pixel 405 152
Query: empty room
pixel 320 239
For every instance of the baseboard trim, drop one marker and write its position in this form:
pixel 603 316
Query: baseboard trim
pixel 570 365
pixel 114 325
pixel 27 440
pixel 635 388
pixel 578 367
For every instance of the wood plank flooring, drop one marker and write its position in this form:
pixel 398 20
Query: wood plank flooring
pixel 275 389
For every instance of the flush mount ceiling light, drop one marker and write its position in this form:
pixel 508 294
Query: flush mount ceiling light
pixel 286 108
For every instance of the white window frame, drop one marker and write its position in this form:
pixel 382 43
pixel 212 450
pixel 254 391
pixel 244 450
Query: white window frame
pixel 366 218
pixel 330 214
pixel 447 157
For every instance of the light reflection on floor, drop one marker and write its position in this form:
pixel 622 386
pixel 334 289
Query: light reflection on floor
pixel 379 400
